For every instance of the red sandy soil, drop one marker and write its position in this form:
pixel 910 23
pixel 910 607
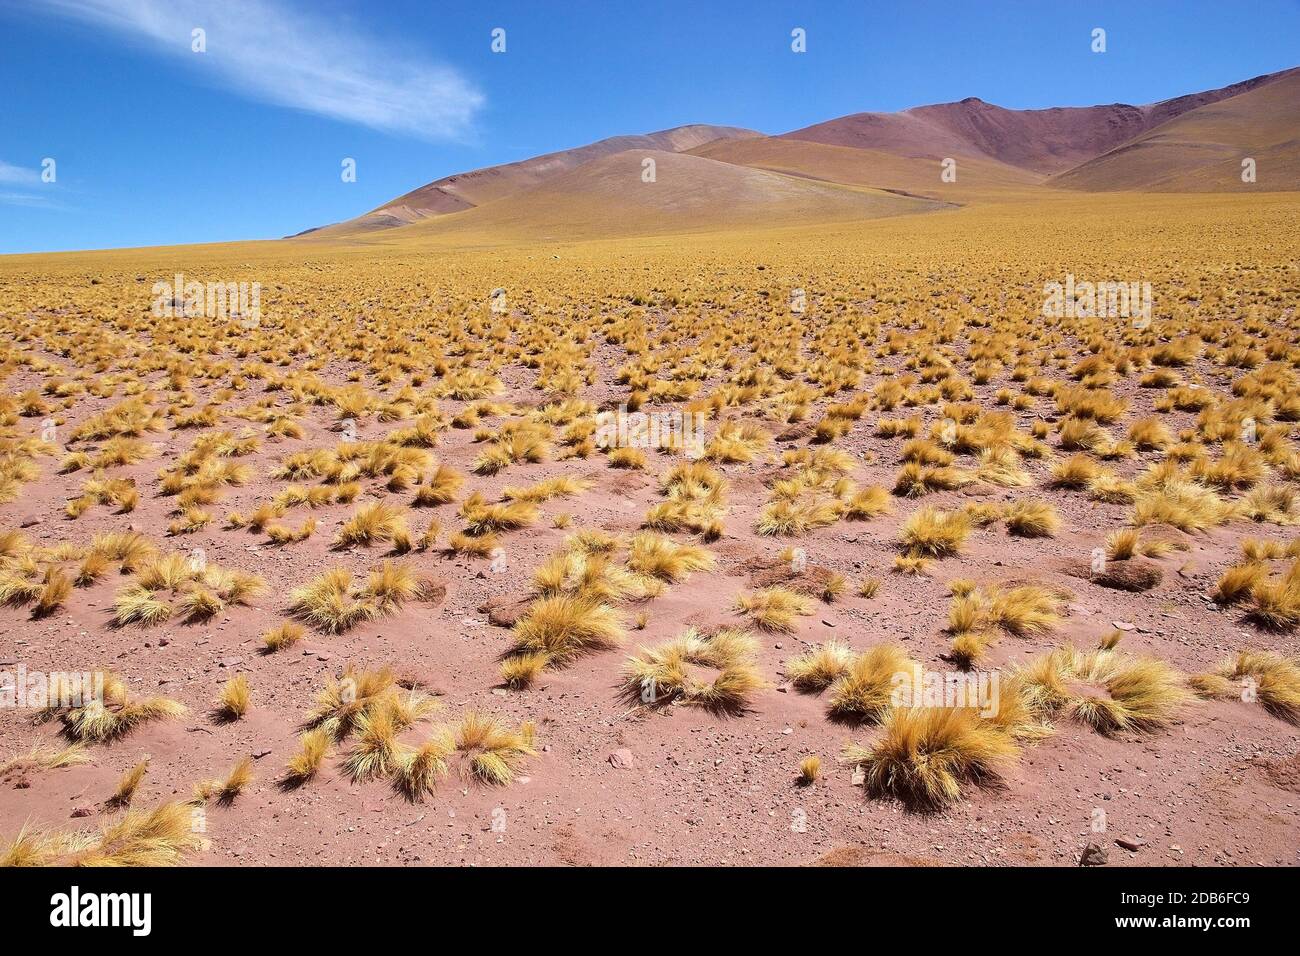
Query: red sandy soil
pixel 1219 788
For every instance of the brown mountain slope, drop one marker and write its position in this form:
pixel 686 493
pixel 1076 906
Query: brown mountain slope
pixel 976 177
pixel 608 197
pixel 465 190
pixel 1202 150
pixel 1048 141
pixel 1192 142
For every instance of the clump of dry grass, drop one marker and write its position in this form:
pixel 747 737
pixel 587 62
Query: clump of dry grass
pixel 810 769
pixel 45 758
pixel 867 503
pixel 563 627
pixel 482 517
pixel 234 700
pixel 1074 473
pixel 695 496
pixel 594 575
pixel 375 750
pixel 1028 518
pixel 1123 544
pixel 516 442
pixel 369 691
pixel 797 517
pixel 774 608
pixel 492 749
pixel 715 671
pixel 1164 496
pixel 374 523
pixel 440 488
pixel 100 709
pixel 1251 675
pixel 911 565
pixel 916 480
pixel 420 768
pixel 284 635
pixel 313 748
pixel 226 789
pixel 929 532
pixel 1273 504
pixel 520 671
pixel 163 836
pixel 927 756
pixel 1108 690
pixel 736 442
pixel 660 557
pixel 334 602
pixel 820 667
pixel 128 785
pixel 179 584
pixel 864 692
pixel 976 617
pixel 1239 581
pixel 1276 601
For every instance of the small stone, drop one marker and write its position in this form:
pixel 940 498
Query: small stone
pixel 1124 625
pixel 82 811
pixel 1131 845
pixel 622 759
pixel 1093 855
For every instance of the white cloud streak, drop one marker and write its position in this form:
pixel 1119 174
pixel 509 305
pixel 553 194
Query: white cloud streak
pixel 273 52
pixel 11 175
pixel 26 199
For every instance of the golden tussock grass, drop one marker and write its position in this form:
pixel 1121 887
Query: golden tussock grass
pixel 774 608
pixel 374 523
pixel 1028 518
pixel 563 627
pixel 1107 690
pixel 45 758
pixel 281 637
pixel 335 602
pixel 89 717
pixel 163 836
pixel 225 790
pixel 927 757
pixel 492 749
pixel 128 785
pixel 864 692
pixel 810 769
pixel 234 700
pixel 716 671
pixel 1270 678
pixel 932 533
pixel 977 616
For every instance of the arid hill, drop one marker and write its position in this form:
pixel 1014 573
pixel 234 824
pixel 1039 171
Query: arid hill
pixel 717 177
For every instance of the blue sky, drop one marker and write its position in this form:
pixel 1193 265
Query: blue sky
pixel 155 144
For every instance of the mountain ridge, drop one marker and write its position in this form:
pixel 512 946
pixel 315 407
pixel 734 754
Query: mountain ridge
pixel 1185 143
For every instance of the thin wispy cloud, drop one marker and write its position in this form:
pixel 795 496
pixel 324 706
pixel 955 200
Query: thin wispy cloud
pixel 27 199
pixel 289 56
pixel 11 175
pixel 16 180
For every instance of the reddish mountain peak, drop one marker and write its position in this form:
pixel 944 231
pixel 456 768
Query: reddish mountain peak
pixel 1044 141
